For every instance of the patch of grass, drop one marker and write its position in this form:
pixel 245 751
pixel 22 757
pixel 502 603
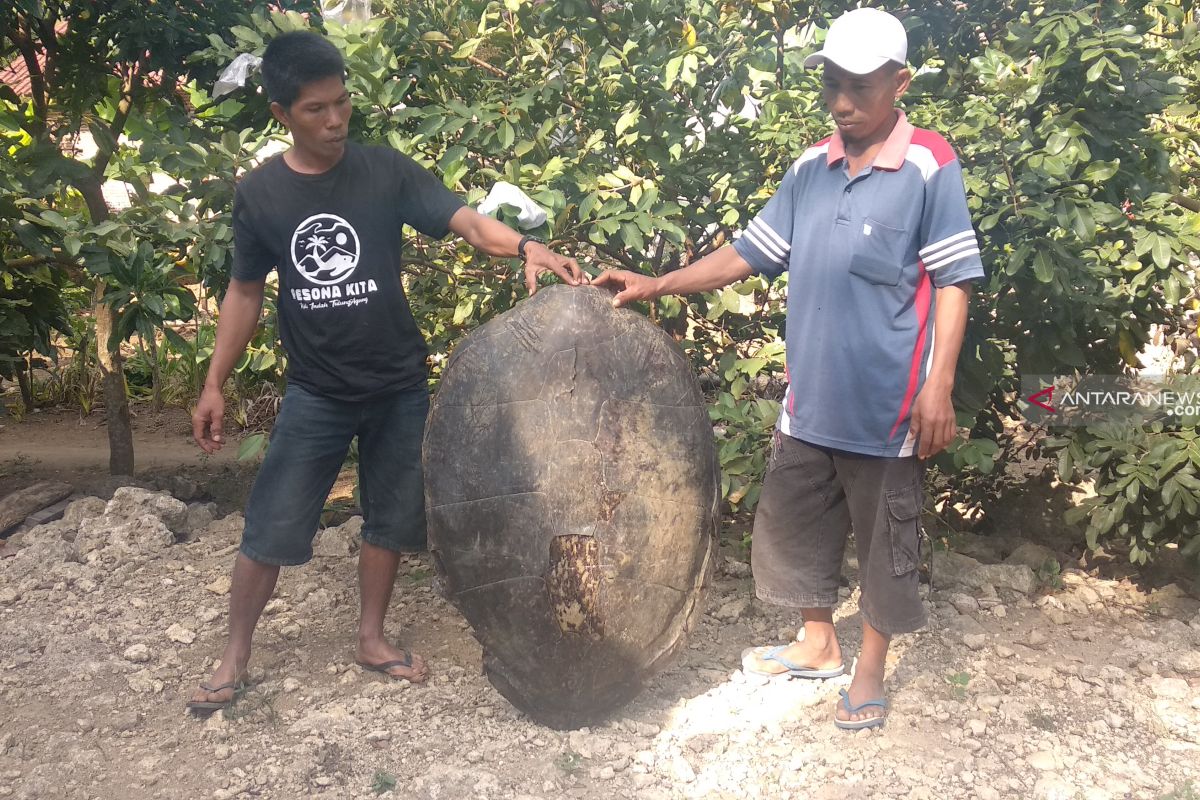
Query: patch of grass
pixel 742 546
pixel 569 762
pixel 20 465
pixel 17 411
pixel 1183 791
pixel 419 574
pixel 1049 575
pixel 943 538
pixel 246 705
pixel 339 511
pixel 958 684
pixel 1042 720
pixel 383 782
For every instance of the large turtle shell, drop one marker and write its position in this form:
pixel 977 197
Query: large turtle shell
pixel 572 487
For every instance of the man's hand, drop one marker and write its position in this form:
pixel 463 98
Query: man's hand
pixel 933 422
pixel 630 286
pixel 539 259
pixel 208 420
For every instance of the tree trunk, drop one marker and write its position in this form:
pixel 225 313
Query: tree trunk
pixel 112 366
pixel 23 381
pixel 116 394
pixel 155 376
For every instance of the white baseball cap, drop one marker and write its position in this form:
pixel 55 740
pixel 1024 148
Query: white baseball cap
pixel 863 40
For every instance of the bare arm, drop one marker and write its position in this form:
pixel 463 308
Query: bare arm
pixel 715 270
pixel 933 421
pixel 497 239
pixel 236 324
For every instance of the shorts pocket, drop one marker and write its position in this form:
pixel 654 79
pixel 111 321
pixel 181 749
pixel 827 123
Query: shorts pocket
pixel 879 253
pixel 785 451
pixel 904 509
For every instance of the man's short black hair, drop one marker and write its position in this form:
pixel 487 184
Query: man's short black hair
pixel 296 58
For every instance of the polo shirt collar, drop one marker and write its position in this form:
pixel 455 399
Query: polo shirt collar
pixel 890 157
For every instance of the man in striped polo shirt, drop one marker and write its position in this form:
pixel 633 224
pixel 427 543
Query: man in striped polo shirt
pixel 872 227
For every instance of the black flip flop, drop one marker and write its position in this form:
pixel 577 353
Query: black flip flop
pixel 209 706
pixel 384 668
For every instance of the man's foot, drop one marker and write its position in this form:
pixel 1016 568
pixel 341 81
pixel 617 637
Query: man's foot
pixel 862 706
pixel 806 656
pixel 220 690
pixel 392 661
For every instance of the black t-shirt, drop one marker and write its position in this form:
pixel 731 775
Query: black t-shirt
pixel 335 239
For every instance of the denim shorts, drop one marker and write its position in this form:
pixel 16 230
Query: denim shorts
pixel 309 442
pixel 811 499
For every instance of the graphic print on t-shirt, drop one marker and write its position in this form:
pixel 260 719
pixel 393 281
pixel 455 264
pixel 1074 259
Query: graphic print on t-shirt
pixel 325 251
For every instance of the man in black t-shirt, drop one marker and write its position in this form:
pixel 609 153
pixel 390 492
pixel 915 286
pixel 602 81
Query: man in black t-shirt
pixel 327 216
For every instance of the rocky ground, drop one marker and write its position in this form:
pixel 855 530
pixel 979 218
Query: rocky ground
pixel 1029 683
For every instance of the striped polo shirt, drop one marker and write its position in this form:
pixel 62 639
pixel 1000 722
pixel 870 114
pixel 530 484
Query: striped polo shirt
pixel 864 255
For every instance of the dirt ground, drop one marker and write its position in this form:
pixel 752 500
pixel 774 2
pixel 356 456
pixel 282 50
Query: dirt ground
pixel 1077 685
pixel 64 445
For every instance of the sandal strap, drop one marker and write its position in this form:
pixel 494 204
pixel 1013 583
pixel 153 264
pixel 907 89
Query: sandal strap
pixel 235 685
pixel 399 662
pixel 773 655
pixel 881 703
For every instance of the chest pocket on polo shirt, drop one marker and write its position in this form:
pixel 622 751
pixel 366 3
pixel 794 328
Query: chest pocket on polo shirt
pixel 878 255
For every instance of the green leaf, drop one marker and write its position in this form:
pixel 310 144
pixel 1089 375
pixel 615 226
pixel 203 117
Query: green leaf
pixel 1084 225
pixel 468 48
pixel 1100 171
pixel 588 206
pixel 1097 70
pixel 1161 251
pixel 177 342
pixel 246 34
pixel 671 72
pixel 464 310
pixel 1043 267
pixel 55 219
pixel 506 134
pixel 1057 142
pixel 627 120
pixel 252 446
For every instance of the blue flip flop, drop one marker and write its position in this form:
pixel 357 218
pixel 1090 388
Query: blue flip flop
pixel 858 725
pixel 793 670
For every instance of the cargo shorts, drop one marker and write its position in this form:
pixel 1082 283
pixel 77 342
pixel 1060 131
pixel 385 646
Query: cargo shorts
pixel 309 443
pixel 812 498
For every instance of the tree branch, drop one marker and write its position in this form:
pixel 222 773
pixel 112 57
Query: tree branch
pixel 1012 183
pixel 623 258
pixel 49 33
pixel 479 62
pixel 130 83
pixel 716 238
pixel 656 266
pixel 1191 204
pixel 598 13
pixel 420 262
pixel 37 80
pixel 36 261
pixel 779 54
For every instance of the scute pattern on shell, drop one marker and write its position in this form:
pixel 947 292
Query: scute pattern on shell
pixel 572 489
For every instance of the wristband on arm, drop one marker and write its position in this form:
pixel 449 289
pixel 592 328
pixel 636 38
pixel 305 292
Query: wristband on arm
pixel 524 241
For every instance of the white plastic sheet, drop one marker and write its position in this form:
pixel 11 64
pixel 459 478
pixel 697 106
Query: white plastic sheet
pixel 530 214
pixel 236 74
